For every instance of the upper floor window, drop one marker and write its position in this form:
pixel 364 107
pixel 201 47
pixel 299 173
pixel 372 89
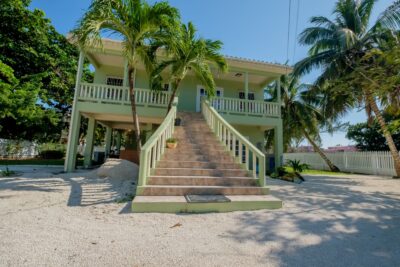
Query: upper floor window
pixel 166 87
pixel 115 81
pixel 250 95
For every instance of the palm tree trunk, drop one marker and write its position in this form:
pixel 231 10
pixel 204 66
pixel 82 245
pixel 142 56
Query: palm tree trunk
pixel 389 139
pixel 136 127
pixel 330 164
pixel 174 90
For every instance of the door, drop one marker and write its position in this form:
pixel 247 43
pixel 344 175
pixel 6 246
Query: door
pixel 201 92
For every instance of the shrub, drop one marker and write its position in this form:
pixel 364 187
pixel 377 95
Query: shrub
pixel 171 140
pixel 297 166
pixel 51 154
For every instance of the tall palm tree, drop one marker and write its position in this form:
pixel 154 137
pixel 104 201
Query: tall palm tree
pixel 137 23
pixel 186 52
pixel 338 44
pixel 301 114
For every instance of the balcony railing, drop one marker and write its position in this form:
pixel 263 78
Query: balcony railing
pixel 246 107
pixel 120 95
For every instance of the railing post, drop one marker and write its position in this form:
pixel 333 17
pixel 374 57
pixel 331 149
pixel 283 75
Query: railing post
pixel 261 170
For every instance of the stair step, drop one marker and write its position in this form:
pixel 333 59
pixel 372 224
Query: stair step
pixel 201 180
pixel 178 190
pixel 176 204
pixel 201 172
pixel 197 164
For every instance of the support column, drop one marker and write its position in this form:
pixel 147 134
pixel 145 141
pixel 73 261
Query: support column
pixel 246 85
pixel 108 141
pixel 125 82
pixel 278 93
pixel 75 122
pixel 118 141
pixel 89 143
pixel 278 144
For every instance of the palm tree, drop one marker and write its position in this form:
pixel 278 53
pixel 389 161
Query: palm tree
pixel 301 114
pixel 135 22
pixel 186 52
pixel 337 45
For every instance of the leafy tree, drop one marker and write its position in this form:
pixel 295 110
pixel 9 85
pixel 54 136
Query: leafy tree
pixel 338 46
pixel 43 67
pixel 186 53
pixel 369 137
pixel 137 23
pixel 300 114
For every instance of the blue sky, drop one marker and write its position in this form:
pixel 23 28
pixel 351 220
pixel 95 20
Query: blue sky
pixel 254 29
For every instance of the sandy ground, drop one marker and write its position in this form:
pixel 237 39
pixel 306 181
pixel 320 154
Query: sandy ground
pixel 49 219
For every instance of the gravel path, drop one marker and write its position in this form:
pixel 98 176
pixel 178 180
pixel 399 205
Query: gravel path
pixel 73 220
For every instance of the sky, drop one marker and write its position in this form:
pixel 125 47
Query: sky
pixel 255 29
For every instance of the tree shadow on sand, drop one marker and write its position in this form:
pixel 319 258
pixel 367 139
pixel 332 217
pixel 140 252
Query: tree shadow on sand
pixel 326 224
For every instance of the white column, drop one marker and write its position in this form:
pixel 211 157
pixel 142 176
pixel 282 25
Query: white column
pixel 89 142
pixel 278 93
pixel 246 85
pixel 108 141
pixel 126 82
pixel 69 164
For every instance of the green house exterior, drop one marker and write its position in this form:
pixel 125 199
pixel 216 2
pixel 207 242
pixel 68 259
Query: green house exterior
pixel 106 100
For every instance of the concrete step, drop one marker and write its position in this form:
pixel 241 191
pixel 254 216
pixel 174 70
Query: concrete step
pixel 176 190
pixel 211 158
pixel 201 180
pixel 178 204
pixel 197 164
pixel 200 172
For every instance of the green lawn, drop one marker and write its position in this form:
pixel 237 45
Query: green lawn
pixel 317 172
pixel 36 162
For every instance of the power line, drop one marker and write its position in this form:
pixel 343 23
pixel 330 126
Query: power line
pixel 288 32
pixel 296 29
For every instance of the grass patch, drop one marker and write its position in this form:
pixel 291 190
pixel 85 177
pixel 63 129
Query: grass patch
pixel 128 197
pixel 317 172
pixel 36 162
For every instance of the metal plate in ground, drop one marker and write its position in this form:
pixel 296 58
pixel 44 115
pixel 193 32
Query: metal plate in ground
pixel 206 198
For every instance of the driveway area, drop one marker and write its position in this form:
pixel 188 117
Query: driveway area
pixel 50 219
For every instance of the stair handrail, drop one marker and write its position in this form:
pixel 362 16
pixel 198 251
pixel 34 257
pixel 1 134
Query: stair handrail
pixel 228 136
pixel 154 148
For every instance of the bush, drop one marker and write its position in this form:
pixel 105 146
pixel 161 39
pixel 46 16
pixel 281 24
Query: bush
pixel 51 154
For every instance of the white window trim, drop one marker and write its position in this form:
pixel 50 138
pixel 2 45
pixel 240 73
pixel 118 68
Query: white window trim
pixel 249 92
pixel 198 95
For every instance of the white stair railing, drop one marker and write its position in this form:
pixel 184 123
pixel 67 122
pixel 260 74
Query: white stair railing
pixel 246 153
pixel 155 147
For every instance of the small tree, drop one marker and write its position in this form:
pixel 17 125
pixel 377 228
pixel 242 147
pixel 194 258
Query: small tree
pixel 186 52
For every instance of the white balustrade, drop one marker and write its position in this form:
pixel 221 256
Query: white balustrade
pixel 245 106
pixel 120 95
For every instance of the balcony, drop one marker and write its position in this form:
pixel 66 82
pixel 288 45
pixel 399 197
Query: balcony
pixel 118 95
pixel 245 107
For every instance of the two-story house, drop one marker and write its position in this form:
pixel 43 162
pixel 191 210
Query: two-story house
pixel 220 137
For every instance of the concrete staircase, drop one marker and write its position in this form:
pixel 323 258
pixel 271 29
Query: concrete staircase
pixel 199 165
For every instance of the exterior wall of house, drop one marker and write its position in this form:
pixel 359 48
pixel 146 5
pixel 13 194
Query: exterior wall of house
pixel 187 89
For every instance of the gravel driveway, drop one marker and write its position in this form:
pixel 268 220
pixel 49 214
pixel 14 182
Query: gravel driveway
pixel 73 220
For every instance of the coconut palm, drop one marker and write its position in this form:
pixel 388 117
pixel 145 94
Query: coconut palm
pixel 301 113
pixel 137 23
pixel 337 45
pixel 186 52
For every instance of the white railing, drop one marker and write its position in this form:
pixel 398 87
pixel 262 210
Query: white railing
pixel 245 106
pixel 120 95
pixel 377 163
pixel 155 147
pixel 244 152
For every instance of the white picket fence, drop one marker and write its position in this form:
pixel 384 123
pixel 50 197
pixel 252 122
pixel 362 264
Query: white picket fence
pixel 377 163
